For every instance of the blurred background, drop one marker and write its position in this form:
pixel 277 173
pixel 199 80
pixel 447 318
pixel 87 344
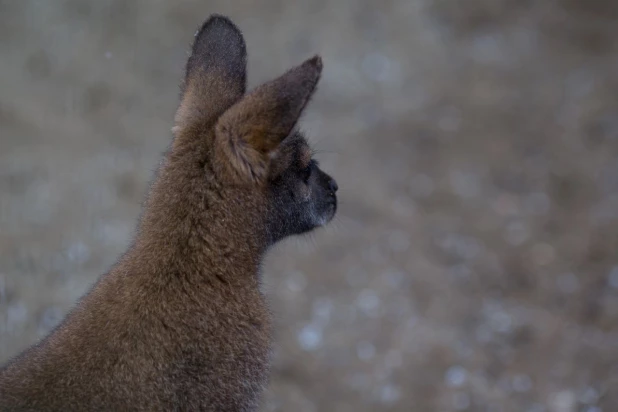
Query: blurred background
pixel 474 262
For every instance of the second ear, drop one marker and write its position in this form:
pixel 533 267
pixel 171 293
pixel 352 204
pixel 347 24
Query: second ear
pixel 255 126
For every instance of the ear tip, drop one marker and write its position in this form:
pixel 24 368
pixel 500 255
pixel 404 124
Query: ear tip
pixel 219 43
pixel 220 26
pixel 311 69
pixel 316 63
pixel 219 20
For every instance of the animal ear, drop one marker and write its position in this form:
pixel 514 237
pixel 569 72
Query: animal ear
pixel 255 126
pixel 215 76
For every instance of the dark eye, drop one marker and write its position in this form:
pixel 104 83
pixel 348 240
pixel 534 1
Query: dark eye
pixel 306 172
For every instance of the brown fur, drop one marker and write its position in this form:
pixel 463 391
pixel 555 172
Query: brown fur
pixel 179 322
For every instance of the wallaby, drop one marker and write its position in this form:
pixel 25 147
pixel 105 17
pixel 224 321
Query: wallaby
pixel 179 323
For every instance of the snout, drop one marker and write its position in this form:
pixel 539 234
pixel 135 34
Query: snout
pixel 327 199
pixel 332 197
pixel 332 185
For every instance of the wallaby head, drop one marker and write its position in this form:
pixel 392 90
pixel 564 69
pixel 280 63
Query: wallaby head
pixel 247 143
pixel 179 323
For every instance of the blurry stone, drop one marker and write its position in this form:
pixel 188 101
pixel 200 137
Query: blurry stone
pixel 403 206
pixel 464 247
pixel 16 316
pixel 365 351
pixel 537 407
pixel 455 376
pixel 368 302
pixel 589 396
pixel 464 350
pixel 49 319
pixel 505 205
pixel 516 233
pixel 310 337
pixel 378 67
pixel 113 233
pixel 521 383
pixel 543 254
pixel 461 271
pixel 563 401
pixel 537 203
pixel 389 394
pixel 322 309
pixel 395 278
pixel 498 319
pixel 465 184
pixel 296 281
pixel 483 334
pixel 78 252
pixel 488 48
pixel 567 283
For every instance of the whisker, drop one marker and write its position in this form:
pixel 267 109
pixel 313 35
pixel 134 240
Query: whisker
pixel 316 152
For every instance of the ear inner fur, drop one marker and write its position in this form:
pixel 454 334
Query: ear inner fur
pixel 256 125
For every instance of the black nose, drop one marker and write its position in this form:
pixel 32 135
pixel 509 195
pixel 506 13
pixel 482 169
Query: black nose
pixel 333 185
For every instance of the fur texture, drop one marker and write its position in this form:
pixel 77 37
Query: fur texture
pixel 179 322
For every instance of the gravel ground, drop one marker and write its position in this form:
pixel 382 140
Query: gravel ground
pixel 473 265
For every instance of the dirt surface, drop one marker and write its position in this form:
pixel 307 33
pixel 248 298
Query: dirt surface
pixel 474 262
